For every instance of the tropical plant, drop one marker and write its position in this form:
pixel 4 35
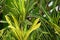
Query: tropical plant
pixel 20 16
pixel 18 23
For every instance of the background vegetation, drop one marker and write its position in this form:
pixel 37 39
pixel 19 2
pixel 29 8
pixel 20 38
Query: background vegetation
pixel 29 20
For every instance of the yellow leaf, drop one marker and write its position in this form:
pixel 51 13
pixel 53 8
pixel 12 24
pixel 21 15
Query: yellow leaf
pixel 33 27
